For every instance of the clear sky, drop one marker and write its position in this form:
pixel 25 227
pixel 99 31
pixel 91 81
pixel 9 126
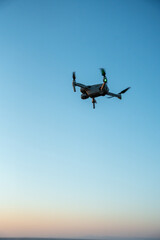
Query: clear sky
pixel 67 170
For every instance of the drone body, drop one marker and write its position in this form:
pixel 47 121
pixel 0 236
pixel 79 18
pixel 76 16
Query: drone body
pixel 97 90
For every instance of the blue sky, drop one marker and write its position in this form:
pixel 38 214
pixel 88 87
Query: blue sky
pixel 59 158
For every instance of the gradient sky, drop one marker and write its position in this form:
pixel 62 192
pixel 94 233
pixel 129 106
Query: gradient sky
pixel 67 170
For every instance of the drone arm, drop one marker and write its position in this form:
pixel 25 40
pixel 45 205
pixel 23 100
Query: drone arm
pixel 75 84
pixel 103 86
pixel 80 85
pixel 114 95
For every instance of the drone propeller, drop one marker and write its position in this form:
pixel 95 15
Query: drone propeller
pixel 125 90
pixel 103 72
pixel 74 80
pixel 74 76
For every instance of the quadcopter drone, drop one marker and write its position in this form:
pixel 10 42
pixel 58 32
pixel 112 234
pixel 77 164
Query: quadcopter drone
pixel 96 90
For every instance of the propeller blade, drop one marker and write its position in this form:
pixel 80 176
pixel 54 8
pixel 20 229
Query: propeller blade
pixel 74 81
pixel 103 72
pixel 125 90
pixel 109 97
pixel 74 76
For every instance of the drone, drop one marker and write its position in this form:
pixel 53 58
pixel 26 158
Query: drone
pixel 96 90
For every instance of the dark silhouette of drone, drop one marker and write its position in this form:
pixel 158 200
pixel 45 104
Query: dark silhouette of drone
pixel 97 90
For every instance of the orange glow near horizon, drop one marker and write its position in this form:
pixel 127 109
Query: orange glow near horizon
pixel 45 224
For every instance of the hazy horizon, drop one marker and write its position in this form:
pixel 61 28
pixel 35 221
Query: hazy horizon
pixel 88 238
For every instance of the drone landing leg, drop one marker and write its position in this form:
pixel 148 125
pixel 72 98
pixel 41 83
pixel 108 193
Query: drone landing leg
pixel 93 101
